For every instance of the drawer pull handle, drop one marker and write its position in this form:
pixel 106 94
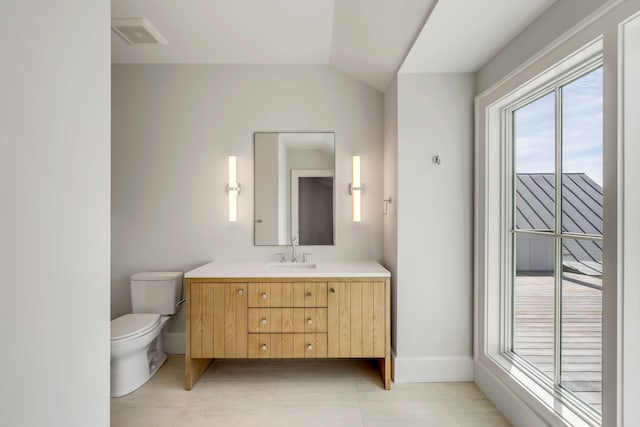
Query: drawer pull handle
pixel 309 321
pixel 264 321
pixel 263 347
pixel 241 292
pixel 333 290
pixel 309 295
pixel 264 295
pixel 309 347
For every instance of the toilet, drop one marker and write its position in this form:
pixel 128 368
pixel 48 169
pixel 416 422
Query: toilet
pixel 137 339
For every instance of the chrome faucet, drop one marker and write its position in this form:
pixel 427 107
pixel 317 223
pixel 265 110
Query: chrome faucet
pixel 294 243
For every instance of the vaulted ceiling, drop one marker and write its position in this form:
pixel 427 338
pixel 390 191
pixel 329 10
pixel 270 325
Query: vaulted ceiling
pixel 461 35
pixel 367 39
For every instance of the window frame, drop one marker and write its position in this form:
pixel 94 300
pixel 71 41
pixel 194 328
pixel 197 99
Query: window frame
pixel 493 217
pixel 541 87
pixel 616 27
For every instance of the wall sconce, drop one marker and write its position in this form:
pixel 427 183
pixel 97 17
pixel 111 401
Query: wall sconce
pixel 355 189
pixel 233 188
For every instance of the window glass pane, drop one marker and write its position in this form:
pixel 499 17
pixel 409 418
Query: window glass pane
pixel 533 296
pixel 581 332
pixel 582 154
pixel 534 134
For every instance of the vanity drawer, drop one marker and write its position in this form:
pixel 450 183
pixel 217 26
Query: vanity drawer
pixel 287 320
pixel 299 346
pixel 289 294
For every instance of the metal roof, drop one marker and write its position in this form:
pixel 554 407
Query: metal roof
pixel 581 213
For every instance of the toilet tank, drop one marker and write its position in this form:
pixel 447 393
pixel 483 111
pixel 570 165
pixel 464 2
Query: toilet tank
pixel 156 292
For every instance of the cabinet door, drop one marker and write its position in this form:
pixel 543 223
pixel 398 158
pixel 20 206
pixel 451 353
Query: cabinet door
pixel 356 319
pixel 218 320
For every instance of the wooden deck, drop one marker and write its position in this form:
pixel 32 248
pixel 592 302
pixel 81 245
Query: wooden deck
pixel 581 331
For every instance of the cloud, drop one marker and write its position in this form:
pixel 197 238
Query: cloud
pixel 581 134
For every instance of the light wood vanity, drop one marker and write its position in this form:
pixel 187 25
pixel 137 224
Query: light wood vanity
pixel 337 310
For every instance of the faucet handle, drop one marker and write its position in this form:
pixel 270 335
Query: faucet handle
pixel 282 258
pixel 305 256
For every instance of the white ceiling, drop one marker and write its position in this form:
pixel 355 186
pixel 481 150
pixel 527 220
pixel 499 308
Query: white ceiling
pixel 371 37
pixel 230 31
pixel 366 39
pixel 461 35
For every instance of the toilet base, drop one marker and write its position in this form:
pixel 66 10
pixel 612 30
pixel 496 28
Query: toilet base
pixel 138 378
pixel 159 362
pixel 132 366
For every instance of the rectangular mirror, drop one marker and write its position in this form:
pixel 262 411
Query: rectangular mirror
pixel 294 188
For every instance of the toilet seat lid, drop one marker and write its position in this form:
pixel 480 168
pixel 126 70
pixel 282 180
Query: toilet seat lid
pixel 133 324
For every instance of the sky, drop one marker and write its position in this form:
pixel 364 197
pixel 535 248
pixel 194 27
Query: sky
pixel 581 130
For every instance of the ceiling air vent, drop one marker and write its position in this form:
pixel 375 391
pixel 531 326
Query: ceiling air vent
pixel 137 31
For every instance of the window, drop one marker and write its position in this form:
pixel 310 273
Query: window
pixel 555 233
pixel 545 385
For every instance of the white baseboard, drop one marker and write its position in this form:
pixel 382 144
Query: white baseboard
pixel 431 369
pixel 174 342
pixel 511 406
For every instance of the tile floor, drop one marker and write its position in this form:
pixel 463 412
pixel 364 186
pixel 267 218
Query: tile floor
pixel 298 393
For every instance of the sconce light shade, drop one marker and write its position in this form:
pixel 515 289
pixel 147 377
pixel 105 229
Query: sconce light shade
pixel 356 189
pixel 233 190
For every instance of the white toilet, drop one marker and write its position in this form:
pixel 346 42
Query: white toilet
pixel 137 339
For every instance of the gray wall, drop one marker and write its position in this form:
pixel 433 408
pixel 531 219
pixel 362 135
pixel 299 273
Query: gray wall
pixel 434 228
pixel 554 22
pixel 54 220
pixel 173 128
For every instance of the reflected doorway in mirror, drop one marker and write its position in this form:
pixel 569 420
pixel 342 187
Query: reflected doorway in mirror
pixel 312 206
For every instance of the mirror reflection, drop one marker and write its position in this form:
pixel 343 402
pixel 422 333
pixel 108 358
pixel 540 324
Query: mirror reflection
pixel 294 188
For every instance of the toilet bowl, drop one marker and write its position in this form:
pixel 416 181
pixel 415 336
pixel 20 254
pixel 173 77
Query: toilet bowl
pixel 137 350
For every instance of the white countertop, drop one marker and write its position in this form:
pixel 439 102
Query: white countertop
pixel 225 269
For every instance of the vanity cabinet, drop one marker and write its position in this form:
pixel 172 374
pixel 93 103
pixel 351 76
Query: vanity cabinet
pixel 260 318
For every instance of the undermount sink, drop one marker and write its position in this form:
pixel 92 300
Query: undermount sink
pixel 291 265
